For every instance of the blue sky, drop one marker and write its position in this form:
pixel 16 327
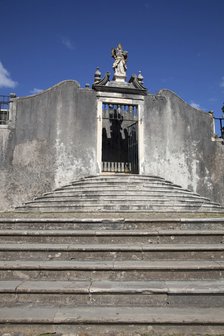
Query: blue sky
pixel 177 45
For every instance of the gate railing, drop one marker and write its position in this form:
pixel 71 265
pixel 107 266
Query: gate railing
pixel 221 125
pixel 116 167
pixel 4 109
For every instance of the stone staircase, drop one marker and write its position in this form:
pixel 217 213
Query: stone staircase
pixel 114 271
pixel 123 193
pixel 68 276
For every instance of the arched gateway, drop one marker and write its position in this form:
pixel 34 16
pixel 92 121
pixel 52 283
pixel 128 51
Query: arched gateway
pixel 120 106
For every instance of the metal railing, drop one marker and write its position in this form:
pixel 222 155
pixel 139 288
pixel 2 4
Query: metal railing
pixel 4 109
pixel 221 125
pixel 116 167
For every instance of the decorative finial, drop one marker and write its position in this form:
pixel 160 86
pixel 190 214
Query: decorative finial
pixel 120 59
pixel 140 78
pixel 97 75
pixel 12 95
pixel 223 110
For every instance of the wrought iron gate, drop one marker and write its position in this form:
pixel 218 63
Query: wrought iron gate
pixel 133 147
pixel 120 138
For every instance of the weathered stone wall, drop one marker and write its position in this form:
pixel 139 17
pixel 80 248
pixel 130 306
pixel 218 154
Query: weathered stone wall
pixel 50 141
pixel 179 147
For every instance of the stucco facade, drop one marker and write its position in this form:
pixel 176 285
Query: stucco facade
pixel 180 145
pixel 49 141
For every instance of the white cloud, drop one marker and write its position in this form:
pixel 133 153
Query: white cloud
pixel 5 80
pixel 195 105
pixel 222 82
pixel 67 43
pixel 35 91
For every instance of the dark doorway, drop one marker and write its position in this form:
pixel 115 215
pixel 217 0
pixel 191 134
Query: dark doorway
pixel 120 138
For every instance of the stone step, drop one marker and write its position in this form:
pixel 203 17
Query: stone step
pixel 117 176
pixel 157 207
pixel 123 181
pixel 122 193
pixel 82 202
pixel 88 223
pixel 114 236
pixel 109 293
pixel 115 205
pixel 38 314
pixel 123 190
pixel 129 187
pixel 110 252
pixel 125 199
pixel 109 329
pixel 112 270
pixel 124 203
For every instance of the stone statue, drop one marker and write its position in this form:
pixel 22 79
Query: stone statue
pixel 120 58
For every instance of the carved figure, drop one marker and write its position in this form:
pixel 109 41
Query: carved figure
pixel 120 56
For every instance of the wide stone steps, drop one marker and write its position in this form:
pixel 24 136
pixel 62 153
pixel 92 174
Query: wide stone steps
pixel 122 185
pixel 114 190
pixel 96 191
pixel 100 276
pixel 112 193
pixel 110 315
pixel 90 224
pixel 124 200
pixel 141 196
pixel 27 319
pixel 113 236
pixel 36 206
pixel 112 270
pixel 113 293
pixel 97 181
pixel 115 176
pixel 110 252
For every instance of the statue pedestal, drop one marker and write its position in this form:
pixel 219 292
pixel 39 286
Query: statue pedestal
pixel 119 78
